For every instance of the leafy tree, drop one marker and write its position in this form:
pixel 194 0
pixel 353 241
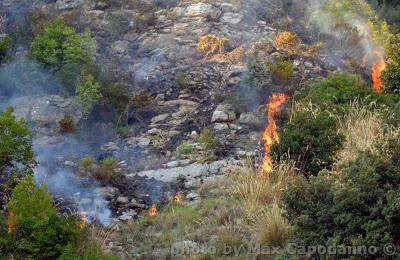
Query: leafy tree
pixel 5 46
pixel 88 92
pixel 16 151
pixel 312 140
pixel 63 50
pixel 39 232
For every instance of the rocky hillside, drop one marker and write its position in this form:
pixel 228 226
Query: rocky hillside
pixel 197 77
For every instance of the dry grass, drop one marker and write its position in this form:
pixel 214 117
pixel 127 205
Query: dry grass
pixel 255 190
pixel 363 127
pixel 270 227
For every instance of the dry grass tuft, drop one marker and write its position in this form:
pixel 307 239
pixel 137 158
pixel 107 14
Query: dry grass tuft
pixel 270 227
pixel 256 190
pixel 363 127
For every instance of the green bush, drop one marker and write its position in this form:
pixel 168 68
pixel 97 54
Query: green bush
pixel 86 164
pixel 185 148
pixel 63 50
pixel 108 170
pixel 258 74
pixel 5 46
pixel 281 71
pixel 207 140
pixel 39 232
pixel 360 207
pixel 336 92
pixel 88 92
pixel 312 140
pixel 16 148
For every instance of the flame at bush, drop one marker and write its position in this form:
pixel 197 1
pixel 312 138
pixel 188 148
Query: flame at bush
pixel 270 135
pixel 11 222
pixel 377 68
pixel 153 211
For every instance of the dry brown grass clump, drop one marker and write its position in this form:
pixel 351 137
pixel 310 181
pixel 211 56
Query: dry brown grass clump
pixel 363 127
pixel 270 227
pixel 255 190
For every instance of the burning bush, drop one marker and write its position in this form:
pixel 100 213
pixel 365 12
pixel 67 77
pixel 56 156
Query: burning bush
pixel 39 232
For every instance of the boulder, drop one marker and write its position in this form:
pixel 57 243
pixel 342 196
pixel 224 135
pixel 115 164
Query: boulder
pixel 223 113
pixel 202 10
pixel 250 119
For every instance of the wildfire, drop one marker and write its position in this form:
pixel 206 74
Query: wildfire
pixel 270 135
pixel 178 198
pixel 153 210
pixel 11 222
pixel 83 219
pixel 377 69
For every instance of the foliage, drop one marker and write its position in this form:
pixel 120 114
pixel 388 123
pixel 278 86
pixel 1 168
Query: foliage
pixel 39 233
pixel 212 44
pixel 117 97
pixel 183 80
pixel 258 74
pixel 357 209
pixel 86 164
pixel 107 170
pixel 5 46
pixel 88 92
pixel 207 140
pixel 310 139
pixel 67 125
pixel 185 148
pixel 281 71
pixel 338 90
pixel 288 41
pixel 63 50
pixel 15 143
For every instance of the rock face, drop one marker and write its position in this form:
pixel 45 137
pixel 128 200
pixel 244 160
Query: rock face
pixel 45 112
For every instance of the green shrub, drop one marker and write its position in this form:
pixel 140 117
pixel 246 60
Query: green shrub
pixel 183 80
pixel 206 139
pixel 39 232
pixel 67 125
pixel 108 170
pixel 281 71
pixel 311 140
pixel 86 164
pixel 258 74
pixel 185 148
pixel 63 50
pixel 339 90
pixel 5 46
pixel 88 93
pixel 15 143
pixel 359 207
pixel 116 97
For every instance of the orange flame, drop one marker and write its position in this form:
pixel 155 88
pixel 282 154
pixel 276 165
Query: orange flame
pixel 11 222
pixel 153 211
pixel 178 198
pixel 270 135
pixel 377 69
pixel 82 225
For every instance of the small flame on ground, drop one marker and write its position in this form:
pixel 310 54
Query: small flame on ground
pixel 11 222
pixel 178 198
pixel 270 135
pixel 377 69
pixel 82 225
pixel 153 210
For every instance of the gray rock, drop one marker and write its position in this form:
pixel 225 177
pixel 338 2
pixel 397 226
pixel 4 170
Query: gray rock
pixel 128 215
pixel 202 10
pixel 223 113
pixel 122 200
pixel 185 247
pixel 250 119
pixel 159 118
pixel 221 126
